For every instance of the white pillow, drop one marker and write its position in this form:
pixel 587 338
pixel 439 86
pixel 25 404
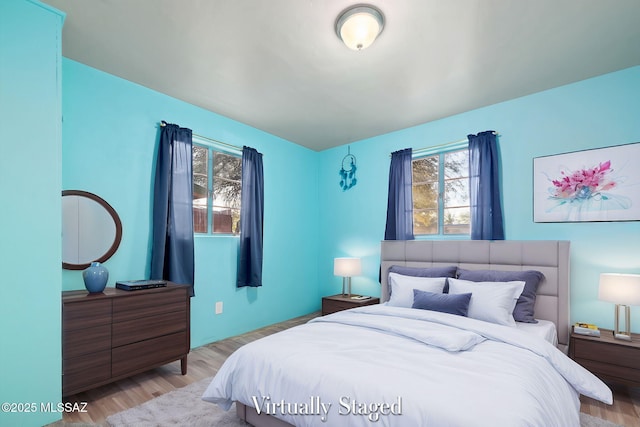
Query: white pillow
pixel 402 288
pixel 490 301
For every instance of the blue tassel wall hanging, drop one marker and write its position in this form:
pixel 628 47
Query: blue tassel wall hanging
pixel 348 171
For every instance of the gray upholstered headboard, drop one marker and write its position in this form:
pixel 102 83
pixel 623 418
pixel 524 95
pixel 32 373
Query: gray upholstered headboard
pixel 551 257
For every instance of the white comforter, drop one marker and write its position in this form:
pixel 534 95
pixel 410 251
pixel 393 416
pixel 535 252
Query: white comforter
pixel 390 366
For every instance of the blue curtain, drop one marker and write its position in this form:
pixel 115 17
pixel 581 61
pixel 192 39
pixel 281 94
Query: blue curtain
pixel 400 200
pixel 484 187
pixel 251 219
pixel 172 249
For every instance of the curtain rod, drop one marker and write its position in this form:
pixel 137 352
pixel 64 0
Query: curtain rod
pixel 231 146
pixel 446 144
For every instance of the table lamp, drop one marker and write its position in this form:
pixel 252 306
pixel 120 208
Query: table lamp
pixel 347 268
pixel 623 290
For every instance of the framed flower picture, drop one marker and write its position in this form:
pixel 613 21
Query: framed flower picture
pixel 601 184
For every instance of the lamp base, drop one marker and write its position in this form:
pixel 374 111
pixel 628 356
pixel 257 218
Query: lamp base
pixel 346 284
pixel 623 337
pixel 618 333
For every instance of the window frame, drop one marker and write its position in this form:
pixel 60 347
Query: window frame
pixel 441 152
pixel 213 147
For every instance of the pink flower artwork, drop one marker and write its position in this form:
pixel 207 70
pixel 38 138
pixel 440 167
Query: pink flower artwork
pixel 583 184
pixel 600 184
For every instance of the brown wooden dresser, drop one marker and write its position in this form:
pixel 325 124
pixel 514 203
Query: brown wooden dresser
pixel 335 303
pixel 116 334
pixel 608 358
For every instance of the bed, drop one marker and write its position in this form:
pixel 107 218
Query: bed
pixel 394 365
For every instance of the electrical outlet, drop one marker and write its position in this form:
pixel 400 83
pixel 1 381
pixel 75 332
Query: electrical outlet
pixel 219 307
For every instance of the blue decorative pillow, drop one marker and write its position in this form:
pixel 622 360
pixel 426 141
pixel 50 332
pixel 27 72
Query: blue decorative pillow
pixel 524 310
pixel 449 271
pixel 446 303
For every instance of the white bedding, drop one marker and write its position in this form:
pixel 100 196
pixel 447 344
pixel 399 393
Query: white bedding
pixel 388 366
pixel 543 329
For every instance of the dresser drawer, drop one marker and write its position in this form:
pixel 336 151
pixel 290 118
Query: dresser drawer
pixel 131 331
pixel 606 353
pixel 81 372
pixel 86 314
pixel 609 371
pixel 84 341
pixel 149 304
pixel 141 355
pixel 330 306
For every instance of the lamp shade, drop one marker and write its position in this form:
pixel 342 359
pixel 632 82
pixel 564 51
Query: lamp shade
pixel 620 288
pixel 359 26
pixel 347 267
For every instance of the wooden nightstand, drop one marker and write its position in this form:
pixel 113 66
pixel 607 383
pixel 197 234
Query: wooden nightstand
pixel 608 358
pixel 341 302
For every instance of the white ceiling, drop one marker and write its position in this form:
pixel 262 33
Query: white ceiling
pixel 277 65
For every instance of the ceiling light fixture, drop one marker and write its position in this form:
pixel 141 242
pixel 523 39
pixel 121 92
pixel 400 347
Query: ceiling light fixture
pixel 359 26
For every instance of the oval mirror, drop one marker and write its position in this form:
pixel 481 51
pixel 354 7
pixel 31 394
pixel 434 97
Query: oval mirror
pixel 91 229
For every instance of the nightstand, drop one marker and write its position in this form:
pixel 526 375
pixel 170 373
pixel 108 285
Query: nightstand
pixel 608 358
pixel 341 302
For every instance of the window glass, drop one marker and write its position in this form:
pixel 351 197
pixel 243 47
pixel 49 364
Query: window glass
pixel 227 174
pixel 425 195
pixel 200 188
pixel 217 184
pixel 441 194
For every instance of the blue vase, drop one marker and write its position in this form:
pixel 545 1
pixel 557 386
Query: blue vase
pixel 95 277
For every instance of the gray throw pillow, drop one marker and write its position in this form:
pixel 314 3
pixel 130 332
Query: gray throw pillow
pixel 524 310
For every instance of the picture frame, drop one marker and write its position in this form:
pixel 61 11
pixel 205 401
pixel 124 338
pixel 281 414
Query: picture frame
pixel 600 184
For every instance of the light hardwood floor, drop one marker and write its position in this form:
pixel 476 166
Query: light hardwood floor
pixel 206 360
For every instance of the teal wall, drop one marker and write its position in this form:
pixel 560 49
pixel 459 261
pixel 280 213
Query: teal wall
pixel 110 134
pixel 107 145
pixel 30 184
pixel 598 112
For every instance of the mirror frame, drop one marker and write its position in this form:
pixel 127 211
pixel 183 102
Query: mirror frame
pixel 116 219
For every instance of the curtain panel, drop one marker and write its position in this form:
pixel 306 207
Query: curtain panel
pixel 172 252
pixel 251 219
pixel 400 199
pixel 484 187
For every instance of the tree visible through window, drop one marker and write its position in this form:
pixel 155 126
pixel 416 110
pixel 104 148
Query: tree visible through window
pixel 441 194
pixel 217 184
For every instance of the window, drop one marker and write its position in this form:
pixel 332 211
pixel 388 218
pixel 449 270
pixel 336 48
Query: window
pixel 441 194
pixel 217 179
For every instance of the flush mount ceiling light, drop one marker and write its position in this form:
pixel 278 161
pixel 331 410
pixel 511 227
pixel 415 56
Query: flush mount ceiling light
pixel 359 26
